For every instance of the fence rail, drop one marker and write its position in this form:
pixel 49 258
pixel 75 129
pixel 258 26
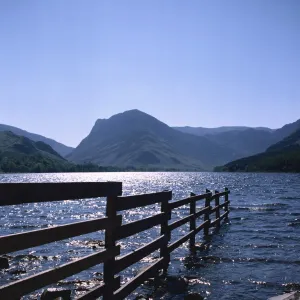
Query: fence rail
pixel 111 224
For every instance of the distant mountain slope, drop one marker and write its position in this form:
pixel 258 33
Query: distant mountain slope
pixel 21 154
pixel 62 149
pixel 245 141
pixel 201 131
pixel 134 138
pixel 283 156
pixel 290 142
pixel 286 130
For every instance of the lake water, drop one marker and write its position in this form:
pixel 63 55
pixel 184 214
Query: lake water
pixel 255 255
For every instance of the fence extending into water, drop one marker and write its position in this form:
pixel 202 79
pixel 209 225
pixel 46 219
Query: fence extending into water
pixel 113 263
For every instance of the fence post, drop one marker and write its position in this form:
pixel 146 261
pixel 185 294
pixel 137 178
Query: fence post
pixel 217 203
pixel 226 201
pixel 110 242
pixel 164 230
pixel 193 220
pixel 206 215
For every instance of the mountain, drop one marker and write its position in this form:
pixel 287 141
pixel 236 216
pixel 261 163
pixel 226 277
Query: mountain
pixel 292 142
pixel 283 156
pixel 201 131
pixel 246 141
pixel 20 154
pixel 286 130
pixel 134 138
pixel 62 149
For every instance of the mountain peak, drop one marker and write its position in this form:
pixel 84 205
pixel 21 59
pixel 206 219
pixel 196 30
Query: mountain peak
pixel 134 138
pixel 132 113
pixel 126 113
pixel 130 120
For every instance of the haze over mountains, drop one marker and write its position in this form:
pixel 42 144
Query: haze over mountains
pixel 21 154
pixel 20 145
pixel 246 141
pixel 283 156
pixel 207 131
pixel 136 139
pixel 62 149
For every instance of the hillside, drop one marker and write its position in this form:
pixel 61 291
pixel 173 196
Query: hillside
pixel 288 143
pixel 283 156
pixel 62 149
pixel 20 154
pixel 286 130
pixel 203 131
pixel 134 138
pixel 245 141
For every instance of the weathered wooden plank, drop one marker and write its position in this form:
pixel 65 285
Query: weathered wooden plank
pixel 192 220
pixel 179 203
pixel 202 211
pixel 184 220
pixel 202 226
pixel 186 201
pixel 220 194
pixel 129 259
pixel 132 228
pixel 226 208
pixel 217 208
pixel 164 231
pixel 98 290
pixel 198 197
pixel 214 209
pixel 129 202
pixel 180 222
pixel 134 283
pixel 18 193
pixel 207 213
pixel 110 242
pixel 24 240
pixel 224 204
pixel 24 286
pixel 180 241
pixel 94 293
pixel 215 222
pixel 224 215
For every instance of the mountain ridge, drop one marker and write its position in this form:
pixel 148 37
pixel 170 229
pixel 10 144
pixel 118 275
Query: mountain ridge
pixel 283 156
pixel 245 141
pixel 11 142
pixel 202 131
pixel 20 154
pixel 62 149
pixel 136 138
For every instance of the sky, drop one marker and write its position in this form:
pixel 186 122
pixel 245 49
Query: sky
pixel 64 64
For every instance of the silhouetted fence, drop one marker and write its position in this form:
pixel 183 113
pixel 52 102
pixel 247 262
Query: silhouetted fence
pixel 113 263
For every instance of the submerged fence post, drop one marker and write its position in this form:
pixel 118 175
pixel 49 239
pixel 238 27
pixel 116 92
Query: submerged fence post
pixel 164 230
pixel 206 215
pixel 192 220
pixel 217 203
pixel 227 202
pixel 110 242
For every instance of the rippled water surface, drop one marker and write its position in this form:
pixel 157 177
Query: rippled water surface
pixel 254 256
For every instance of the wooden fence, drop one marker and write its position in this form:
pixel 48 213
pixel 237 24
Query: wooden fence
pixel 113 263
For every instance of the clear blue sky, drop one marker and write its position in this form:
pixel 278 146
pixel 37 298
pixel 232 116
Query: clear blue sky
pixel 65 63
